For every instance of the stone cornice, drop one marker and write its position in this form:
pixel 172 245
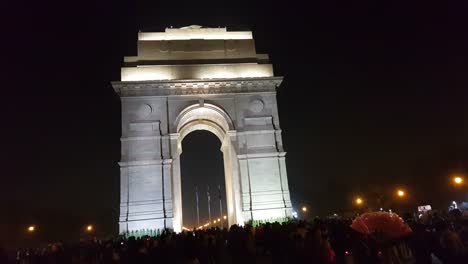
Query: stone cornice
pixel 189 87
pixel 261 155
pixel 144 162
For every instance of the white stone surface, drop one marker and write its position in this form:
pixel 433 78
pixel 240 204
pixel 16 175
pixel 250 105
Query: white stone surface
pixel 194 32
pixel 187 72
pixel 156 116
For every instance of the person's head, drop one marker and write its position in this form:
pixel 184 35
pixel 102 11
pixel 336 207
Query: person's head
pixel 234 228
pixel 54 248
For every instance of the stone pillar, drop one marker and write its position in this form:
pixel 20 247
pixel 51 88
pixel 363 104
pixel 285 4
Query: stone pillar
pixel 142 199
pixel 232 180
pixel 176 151
pixel 145 167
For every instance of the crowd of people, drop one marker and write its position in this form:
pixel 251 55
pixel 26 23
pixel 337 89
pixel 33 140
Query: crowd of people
pixel 435 240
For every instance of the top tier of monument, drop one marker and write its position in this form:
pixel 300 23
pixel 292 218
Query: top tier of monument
pixel 195 53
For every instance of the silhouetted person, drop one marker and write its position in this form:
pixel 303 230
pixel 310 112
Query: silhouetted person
pixel 422 243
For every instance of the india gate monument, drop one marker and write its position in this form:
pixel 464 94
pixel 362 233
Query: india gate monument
pixel 195 78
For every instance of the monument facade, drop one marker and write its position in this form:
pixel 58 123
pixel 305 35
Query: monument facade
pixel 189 79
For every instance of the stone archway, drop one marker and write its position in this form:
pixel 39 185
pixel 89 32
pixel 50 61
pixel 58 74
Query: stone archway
pixel 215 120
pixel 187 79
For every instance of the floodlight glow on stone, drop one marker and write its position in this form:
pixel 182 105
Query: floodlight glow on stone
pixel 194 33
pixel 294 214
pixel 165 77
pixel 189 72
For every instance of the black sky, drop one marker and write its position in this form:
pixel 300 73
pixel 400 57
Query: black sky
pixel 374 94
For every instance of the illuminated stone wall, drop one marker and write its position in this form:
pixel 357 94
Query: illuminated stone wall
pixel 181 72
pixel 238 106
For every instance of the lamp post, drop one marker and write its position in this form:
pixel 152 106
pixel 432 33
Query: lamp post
pixel 304 211
pixel 220 204
pixel 359 204
pixel 198 210
pixel 458 181
pixel 32 237
pixel 209 202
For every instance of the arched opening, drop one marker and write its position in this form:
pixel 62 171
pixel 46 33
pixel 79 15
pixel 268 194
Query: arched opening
pixel 202 180
pixel 213 119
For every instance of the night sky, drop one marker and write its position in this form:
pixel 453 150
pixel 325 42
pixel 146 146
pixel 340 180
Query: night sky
pixel 374 96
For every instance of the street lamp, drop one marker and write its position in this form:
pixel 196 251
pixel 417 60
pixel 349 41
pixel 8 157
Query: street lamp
pixel 224 217
pixel 400 193
pixel 31 229
pixel 359 201
pixel 458 180
pixel 304 209
pixel 89 228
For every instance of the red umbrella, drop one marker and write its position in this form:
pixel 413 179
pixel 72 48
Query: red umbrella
pixel 388 224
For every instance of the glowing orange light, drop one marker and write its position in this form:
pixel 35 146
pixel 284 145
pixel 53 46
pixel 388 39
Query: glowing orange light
pixel 401 193
pixel 225 217
pixel 304 209
pixel 31 228
pixel 458 180
pixel 359 201
pixel 89 228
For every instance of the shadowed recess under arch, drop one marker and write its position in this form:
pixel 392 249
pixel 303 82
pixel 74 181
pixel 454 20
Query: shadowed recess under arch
pixel 201 171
